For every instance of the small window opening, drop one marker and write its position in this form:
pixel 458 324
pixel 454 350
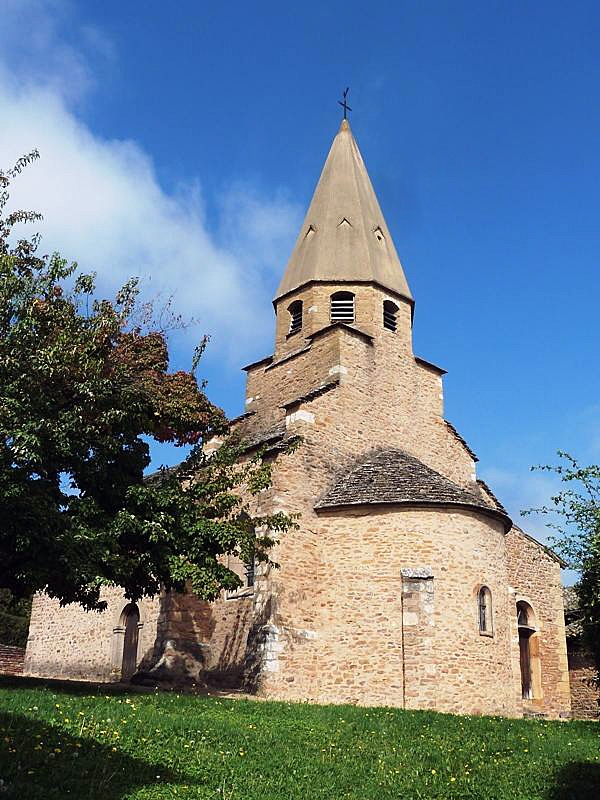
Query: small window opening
pixel 295 311
pixel 342 307
pixel 249 573
pixel 246 572
pixel 379 234
pixel 390 315
pixel 484 604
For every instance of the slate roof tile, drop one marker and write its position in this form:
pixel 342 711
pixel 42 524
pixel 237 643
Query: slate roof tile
pixel 389 475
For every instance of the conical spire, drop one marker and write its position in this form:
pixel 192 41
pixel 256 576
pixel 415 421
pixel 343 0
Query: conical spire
pixel 344 236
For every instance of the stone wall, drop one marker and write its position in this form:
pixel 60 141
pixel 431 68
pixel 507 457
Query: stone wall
pixel 11 660
pixel 420 661
pixel 584 695
pixel 204 641
pixel 373 604
pixel 269 386
pixel 389 397
pixel 339 618
pixel 535 575
pixel 69 642
pixel 316 299
pixel 213 634
pixel 371 639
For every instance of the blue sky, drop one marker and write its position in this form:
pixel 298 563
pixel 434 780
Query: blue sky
pixel 182 142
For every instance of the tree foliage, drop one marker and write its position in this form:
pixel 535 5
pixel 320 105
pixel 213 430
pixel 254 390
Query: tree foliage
pixel 83 383
pixel 578 538
pixel 14 619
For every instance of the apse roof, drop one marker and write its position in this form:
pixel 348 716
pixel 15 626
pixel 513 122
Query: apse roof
pixel 393 476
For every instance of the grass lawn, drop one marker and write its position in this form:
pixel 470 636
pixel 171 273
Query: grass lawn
pixel 81 742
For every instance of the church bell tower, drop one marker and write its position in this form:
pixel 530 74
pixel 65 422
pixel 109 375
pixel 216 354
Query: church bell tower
pixel 344 267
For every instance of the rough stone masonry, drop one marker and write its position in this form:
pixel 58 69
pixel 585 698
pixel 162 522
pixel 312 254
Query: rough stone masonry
pixel 407 583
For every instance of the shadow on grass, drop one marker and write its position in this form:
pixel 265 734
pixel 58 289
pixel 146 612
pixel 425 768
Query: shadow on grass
pixel 87 688
pixel 576 781
pixel 59 686
pixel 39 761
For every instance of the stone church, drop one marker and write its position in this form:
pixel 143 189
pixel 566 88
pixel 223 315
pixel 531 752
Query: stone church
pixel 407 584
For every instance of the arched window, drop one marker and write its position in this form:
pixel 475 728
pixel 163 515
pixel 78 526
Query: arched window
pixel 525 618
pixel 390 315
pixel 342 307
pixel 295 312
pixel 249 573
pixel 484 606
pixel 244 569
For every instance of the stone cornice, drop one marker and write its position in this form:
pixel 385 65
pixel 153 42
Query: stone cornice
pixel 351 328
pixel 316 392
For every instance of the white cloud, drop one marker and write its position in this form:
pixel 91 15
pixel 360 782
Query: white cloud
pixel 34 53
pixel 103 205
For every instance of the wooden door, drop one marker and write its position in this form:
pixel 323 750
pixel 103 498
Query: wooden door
pixel 525 659
pixel 130 643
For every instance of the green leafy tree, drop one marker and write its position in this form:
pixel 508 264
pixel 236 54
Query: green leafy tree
pixel 83 383
pixel 578 538
pixel 14 619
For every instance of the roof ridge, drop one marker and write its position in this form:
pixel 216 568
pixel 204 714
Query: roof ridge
pixel 492 495
pixel 462 440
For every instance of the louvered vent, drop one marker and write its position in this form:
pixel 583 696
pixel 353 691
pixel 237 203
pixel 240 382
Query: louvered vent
pixel 295 311
pixel 390 315
pixel 249 573
pixel 342 307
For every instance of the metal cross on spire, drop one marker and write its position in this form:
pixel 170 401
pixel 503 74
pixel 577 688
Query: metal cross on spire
pixel 344 103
